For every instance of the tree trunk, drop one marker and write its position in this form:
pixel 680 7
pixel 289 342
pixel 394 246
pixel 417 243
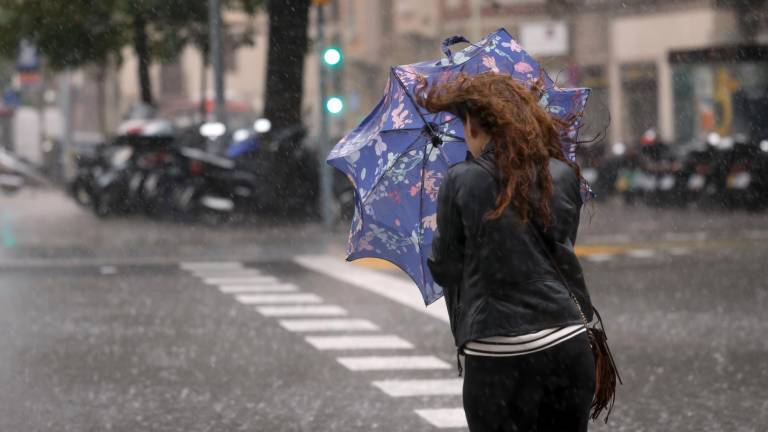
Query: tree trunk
pixel 141 46
pixel 285 65
pixel 101 97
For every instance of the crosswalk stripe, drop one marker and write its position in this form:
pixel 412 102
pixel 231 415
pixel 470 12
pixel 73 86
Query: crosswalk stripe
pixel 444 417
pixel 319 325
pixel 278 298
pixel 358 342
pixel 240 280
pixel 420 387
pixel 203 265
pixel 255 288
pixel 398 289
pixel 227 273
pixel 301 310
pixel 375 363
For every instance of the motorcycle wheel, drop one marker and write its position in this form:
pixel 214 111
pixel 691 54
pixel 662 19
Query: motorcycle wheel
pixel 101 208
pixel 81 194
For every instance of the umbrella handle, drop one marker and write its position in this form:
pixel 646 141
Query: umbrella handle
pixel 453 40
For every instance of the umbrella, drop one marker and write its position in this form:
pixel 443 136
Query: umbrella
pixel 397 156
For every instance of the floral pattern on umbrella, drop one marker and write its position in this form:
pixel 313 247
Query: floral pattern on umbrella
pixel 396 166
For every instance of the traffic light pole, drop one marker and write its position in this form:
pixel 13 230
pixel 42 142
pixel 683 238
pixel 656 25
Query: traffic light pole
pixel 326 172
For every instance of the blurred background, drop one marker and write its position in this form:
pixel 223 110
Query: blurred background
pixel 148 147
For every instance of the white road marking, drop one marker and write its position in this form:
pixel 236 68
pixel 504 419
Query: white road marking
pixel 756 234
pixel 201 265
pixel 278 298
pixel 240 280
pixel 108 270
pixel 301 310
pixel 695 236
pixel 420 387
pixel 444 417
pixel 238 289
pixel 376 363
pixel 358 342
pixel 320 325
pixel 228 273
pixel 599 257
pixel 392 287
pixel 678 251
pixel 641 253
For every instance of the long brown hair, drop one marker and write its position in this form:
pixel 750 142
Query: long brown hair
pixel 524 135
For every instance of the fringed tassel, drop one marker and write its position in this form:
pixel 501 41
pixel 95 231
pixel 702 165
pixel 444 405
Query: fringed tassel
pixel 606 372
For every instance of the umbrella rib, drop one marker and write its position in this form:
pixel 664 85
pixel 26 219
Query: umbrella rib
pixel 421 211
pixel 415 105
pixel 375 185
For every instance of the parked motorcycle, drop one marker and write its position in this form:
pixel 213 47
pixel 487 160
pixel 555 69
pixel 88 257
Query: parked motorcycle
pixel 114 179
pixel 746 175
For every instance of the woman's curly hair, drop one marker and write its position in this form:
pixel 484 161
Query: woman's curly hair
pixel 524 135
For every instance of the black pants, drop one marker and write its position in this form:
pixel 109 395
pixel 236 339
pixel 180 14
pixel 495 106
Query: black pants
pixel 545 391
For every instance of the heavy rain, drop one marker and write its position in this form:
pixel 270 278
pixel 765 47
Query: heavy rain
pixel 397 215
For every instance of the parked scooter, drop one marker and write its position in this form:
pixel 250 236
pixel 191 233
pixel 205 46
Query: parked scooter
pixel 113 180
pixel 747 174
pixel 11 180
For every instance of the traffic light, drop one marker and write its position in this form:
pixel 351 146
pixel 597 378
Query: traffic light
pixel 332 58
pixel 334 105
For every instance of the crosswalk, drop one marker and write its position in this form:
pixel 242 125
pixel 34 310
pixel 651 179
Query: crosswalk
pixel 360 345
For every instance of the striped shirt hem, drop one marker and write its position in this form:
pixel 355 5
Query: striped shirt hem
pixel 507 346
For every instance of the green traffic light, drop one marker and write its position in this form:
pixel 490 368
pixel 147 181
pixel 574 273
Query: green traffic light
pixel 334 105
pixel 332 56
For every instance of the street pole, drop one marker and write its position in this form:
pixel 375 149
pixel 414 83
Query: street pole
pixel 217 60
pixel 65 105
pixel 326 173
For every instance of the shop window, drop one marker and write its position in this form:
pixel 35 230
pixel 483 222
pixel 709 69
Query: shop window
pixel 727 98
pixel 640 99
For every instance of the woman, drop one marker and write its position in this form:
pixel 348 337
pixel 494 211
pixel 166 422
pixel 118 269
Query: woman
pixel 505 216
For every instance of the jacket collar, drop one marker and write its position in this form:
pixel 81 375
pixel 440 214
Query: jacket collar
pixel 488 148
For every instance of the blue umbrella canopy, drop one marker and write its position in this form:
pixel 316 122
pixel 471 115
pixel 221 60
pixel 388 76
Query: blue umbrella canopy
pixel 397 156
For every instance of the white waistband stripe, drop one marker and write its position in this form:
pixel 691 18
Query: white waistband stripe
pixel 502 346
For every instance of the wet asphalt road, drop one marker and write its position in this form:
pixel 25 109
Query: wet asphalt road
pixel 101 329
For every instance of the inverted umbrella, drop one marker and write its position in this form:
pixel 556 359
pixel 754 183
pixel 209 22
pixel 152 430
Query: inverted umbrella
pixel 397 156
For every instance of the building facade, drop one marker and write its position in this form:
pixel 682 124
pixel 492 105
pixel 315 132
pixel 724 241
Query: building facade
pixel 620 49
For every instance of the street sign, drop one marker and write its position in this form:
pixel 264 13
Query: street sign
pixel 27 60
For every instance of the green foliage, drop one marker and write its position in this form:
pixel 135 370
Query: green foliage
pixel 72 33
pixel 67 32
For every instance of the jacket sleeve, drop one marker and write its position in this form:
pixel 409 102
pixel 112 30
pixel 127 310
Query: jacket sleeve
pixel 446 261
pixel 577 202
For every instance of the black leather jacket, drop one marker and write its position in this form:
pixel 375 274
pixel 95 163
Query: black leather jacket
pixel 496 276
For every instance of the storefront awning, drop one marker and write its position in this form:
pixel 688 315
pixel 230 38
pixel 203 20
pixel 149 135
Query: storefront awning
pixel 721 54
